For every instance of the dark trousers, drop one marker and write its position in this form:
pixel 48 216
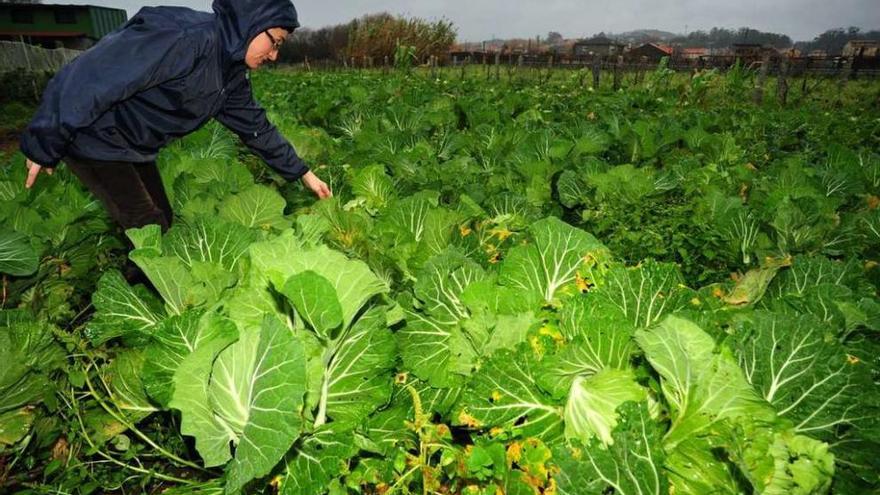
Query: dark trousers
pixel 131 192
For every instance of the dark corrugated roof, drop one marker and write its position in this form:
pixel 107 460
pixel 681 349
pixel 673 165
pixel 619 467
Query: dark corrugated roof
pixel 44 34
pixel 36 5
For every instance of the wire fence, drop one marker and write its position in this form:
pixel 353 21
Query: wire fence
pixel 22 56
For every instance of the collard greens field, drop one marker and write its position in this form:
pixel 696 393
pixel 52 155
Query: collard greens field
pixel 521 286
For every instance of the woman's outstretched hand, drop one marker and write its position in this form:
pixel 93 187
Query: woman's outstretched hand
pixel 33 171
pixel 319 187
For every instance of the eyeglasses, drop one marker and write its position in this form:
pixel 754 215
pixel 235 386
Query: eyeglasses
pixel 276 44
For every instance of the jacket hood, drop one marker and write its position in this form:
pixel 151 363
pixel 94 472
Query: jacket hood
pixel 242 20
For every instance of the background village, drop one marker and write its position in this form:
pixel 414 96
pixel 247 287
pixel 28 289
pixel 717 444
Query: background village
pixel 383 39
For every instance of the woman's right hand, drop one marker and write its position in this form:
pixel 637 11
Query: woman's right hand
pixel 33 171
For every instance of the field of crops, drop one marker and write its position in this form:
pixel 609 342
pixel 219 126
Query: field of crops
pixel 521 286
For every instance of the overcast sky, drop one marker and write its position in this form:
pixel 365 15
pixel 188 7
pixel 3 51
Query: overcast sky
pixel 481 19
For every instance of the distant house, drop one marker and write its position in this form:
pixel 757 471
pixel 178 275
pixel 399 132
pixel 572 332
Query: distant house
pixel 862 48
pixel 653 52
pixel 753 51
pixel 693 53
pixel 599 45
pixel 53 25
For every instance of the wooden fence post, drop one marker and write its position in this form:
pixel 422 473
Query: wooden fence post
pixel 618 67
pixel 597 67
pixel 497 66
pixel 643 68
pixel 782 82
pixel 758 96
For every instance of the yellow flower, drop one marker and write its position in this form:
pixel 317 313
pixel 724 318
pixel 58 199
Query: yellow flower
pixel 468 420
pixel 514 452
pixel 501 233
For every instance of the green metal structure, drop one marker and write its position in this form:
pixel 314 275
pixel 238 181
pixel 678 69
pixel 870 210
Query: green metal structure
pixel 51 25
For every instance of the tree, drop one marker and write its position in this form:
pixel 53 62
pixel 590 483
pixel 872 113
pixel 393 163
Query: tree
pixel 833 40
pixel 554 38
pixel 376 36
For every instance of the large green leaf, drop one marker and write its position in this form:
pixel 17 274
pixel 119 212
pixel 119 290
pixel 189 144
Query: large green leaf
pixel 170 276
pixel 17 257
pixel 122 310
pixel 30 354
pixel 782 462
pixel 805 373
pixel 256 391
pixel 643 294
pixel 350 368
pixel 552 260
pixel 259 207
pixel 282 257
pixel 190 396
pixel 504 393
pixel 15 424
pixel 314 462
pixel 631 463
pixel 702 387
pixel 356 376
pixel 441 354
pixel 314 297
pixel 441 283
pixel 596 341
pixel 173 340
pixel 124 379
pixel 211 241
pixel 593 401
pixel 193 264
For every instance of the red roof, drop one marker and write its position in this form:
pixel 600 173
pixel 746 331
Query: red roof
pixel 44 34
pixel 666 48
pixel 694 51
pixel 663 48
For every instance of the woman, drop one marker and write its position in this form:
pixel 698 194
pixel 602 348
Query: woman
pixel 162 75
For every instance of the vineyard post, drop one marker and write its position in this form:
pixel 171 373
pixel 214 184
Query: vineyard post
pixel 597 67
pixel 486 66
pixel 782 82
pixel 385 65
pixel 643 68
pixel 308 67
pixel 758 95
pixel 519 65
pixel 618 67
pixel 806 73
pixel 846 67
pixel 497 66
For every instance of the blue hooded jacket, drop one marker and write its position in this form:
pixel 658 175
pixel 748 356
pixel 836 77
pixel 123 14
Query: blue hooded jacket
pixel 162 75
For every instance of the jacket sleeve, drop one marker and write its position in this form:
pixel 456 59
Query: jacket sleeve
pixel 244 116
pixel 146 51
